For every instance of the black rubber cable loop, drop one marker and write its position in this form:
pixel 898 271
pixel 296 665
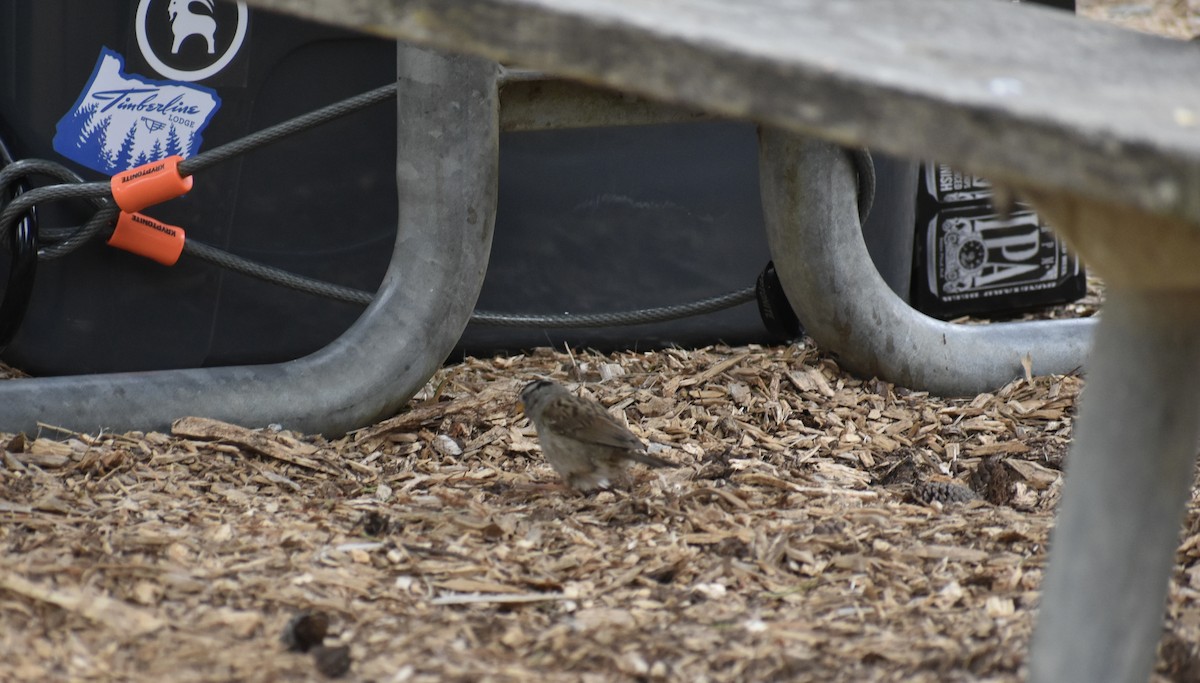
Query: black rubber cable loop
pixel 864 168
pixel 774 309
pixel 23 264
pixel 21 274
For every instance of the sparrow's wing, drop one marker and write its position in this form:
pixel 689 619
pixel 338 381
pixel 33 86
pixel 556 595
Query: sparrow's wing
pixel 589 422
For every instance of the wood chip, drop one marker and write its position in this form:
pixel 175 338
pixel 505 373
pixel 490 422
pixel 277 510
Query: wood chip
pixel 117 617
pixel 264 444
pixel 1037 476
pixel 464 585
pixel 495 598
pixel 1005 448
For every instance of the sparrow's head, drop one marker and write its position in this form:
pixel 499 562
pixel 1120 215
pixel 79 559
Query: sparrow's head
pixel 535 394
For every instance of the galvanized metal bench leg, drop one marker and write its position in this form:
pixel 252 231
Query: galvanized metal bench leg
pixel 809 192
pixel 446 171
pixel 1127 482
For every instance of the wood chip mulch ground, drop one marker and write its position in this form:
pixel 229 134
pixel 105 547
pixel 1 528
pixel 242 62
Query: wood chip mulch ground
pixel 819 527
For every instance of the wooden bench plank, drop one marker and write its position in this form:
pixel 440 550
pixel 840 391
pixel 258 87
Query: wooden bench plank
pixel 1021 94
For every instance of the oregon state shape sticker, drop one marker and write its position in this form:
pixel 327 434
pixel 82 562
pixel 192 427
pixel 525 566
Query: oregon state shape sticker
pixel 121 120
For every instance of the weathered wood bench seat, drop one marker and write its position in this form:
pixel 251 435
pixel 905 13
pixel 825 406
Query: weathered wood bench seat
pixel 1025 95
pixel 1098 126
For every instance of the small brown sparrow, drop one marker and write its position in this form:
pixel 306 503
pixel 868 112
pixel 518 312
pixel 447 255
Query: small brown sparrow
pixel 580 439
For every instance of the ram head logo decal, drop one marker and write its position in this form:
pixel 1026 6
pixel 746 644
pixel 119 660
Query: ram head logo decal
pixel 185 23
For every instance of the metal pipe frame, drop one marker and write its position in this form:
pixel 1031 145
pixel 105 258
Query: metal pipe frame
pixel 448 151
pixel 809 191
pixel 362 378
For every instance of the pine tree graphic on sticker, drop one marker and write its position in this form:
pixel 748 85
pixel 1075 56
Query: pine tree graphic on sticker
pixel 124 158
pixel 93 141
pixel 93 135
pixel 173 145
pixel 81 120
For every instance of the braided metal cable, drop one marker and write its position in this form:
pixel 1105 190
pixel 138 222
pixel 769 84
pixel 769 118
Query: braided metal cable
pixel 66 239
pixel 276 275
pixel 622 318
pixel 864 167
pixel 17 170
pixel 100 222
pixel 50 193
pixel 271 134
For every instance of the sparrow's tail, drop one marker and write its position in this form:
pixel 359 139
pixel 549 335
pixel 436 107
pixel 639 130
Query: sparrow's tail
pixel 647 459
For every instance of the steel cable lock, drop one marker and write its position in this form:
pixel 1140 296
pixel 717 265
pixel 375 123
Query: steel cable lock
pixel 118 218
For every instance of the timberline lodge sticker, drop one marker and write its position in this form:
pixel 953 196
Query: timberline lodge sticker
pixel 122 120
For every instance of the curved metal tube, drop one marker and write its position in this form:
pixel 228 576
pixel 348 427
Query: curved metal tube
pixel 446 171
pixel 808 189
